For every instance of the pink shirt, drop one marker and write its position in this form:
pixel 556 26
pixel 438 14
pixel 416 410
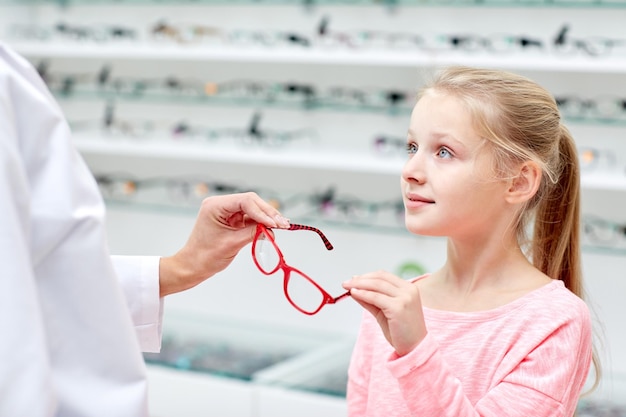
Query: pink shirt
pixel 528 358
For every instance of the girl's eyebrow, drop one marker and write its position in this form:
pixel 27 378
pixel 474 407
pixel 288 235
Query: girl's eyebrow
pixel 438 136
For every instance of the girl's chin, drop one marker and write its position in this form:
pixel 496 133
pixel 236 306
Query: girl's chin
pixel 418 228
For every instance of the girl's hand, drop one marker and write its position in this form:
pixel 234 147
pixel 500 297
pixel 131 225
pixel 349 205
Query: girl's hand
pixel 396 305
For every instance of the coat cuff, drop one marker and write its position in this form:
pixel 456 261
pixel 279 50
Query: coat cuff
pixel 139 278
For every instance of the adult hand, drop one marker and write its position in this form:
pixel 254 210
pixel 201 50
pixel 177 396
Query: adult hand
pixel 224 225
pixel 396 305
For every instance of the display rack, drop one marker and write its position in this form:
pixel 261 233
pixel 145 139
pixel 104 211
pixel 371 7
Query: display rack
pixel 403 59
pixel 368 3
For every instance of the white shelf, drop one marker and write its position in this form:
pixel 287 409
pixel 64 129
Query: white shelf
pixel 533 62
pixel 299 158
pixel 603 181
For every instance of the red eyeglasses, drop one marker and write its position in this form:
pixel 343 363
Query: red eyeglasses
pixel 304 294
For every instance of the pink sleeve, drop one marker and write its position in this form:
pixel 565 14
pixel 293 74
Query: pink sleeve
pixel 546 383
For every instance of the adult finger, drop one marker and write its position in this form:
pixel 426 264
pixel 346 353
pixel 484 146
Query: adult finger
pixel 259 210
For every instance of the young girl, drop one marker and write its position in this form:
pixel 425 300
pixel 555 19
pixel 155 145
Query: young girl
pixel 500 329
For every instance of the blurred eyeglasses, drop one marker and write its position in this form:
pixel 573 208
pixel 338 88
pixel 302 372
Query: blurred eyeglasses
pixel 169 86
pixel 160 191
pixel 505 43
pixel 73 32
pixel 263 91
pixel 250 37
pixel 302 292
pixel 593 46
pixel 253 134
pixel 596 159
pixel 602 232
pixel 112 125
pixel 201 34
pixel 102 83
pixel 604 108
pixel 386 145
pixel 364 39
pixel 164 31
pixel 333 207
pixel 374 98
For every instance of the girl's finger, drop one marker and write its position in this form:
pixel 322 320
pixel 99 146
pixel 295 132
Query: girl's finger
pixel 380 300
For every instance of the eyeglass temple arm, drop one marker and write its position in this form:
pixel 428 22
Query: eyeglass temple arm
pixel 341 297
pixel 327 243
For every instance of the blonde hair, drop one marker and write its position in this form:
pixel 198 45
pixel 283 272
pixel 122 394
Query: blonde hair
pixel 521 122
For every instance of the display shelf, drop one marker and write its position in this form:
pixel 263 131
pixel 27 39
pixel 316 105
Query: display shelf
pixel 318 56
pixel 312 3
pixel 302 157
pixel 312 104
pixel 284 158
pixel 199 99
pixel 604 181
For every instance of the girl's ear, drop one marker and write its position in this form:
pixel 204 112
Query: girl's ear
pixel 525 184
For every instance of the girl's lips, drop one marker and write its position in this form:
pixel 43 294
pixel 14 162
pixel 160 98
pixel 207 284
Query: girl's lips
pixel 418 198
pixel 414 201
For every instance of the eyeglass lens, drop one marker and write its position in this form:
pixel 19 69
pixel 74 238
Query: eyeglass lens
pixel 266 254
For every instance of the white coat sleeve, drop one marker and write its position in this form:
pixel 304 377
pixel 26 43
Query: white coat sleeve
pixel 139 279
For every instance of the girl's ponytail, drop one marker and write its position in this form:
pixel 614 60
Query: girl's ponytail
pixel 556 243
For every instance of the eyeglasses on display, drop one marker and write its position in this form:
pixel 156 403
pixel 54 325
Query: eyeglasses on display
pixel 596 159
pixel 593 46
pixel 561 43
pixel 103 84
pixel 252 134
pixel 310 3
pixel 337 208
pixel 302 292
pixel 175 191
pixel 604 108
pixel 602 232
pixel 389 145
pixel 73 32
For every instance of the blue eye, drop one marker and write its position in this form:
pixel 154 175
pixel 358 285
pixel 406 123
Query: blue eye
pixel 444 153
pixel 411 148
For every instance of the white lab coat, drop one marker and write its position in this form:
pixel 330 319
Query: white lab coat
pixel 68 345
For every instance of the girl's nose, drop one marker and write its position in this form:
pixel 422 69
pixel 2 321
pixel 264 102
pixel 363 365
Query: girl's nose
pixel 413 170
